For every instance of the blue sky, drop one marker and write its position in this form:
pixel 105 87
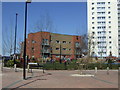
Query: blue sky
pixel 67 17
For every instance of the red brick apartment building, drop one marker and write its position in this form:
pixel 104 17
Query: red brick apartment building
pixel 52 45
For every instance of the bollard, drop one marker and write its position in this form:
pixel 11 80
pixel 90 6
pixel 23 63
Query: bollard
pixel 15 68
pixel 28 67
pixel 107 70
pixel 95 70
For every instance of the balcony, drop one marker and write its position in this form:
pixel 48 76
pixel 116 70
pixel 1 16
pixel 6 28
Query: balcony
pixel 77 45
pixel 46 51
pixel 45 44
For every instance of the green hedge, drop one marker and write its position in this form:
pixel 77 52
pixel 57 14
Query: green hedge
pixel 69 66
pixel 10 63
pixel 74 66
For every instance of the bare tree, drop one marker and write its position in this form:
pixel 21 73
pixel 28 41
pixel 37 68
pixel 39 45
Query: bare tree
pixel 8 41
pixel 86 48
pixel 44 24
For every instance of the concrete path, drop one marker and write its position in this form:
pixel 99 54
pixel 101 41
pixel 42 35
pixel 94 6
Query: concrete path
pixel 59 79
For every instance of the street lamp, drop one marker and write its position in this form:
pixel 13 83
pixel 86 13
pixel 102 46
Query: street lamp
pixel 60 53
pixel 24 55
pixel 15 43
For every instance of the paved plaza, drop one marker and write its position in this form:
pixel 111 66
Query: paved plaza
pixel 59 79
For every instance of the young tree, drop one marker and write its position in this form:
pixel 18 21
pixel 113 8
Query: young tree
pixel 7 41
pixel 44 24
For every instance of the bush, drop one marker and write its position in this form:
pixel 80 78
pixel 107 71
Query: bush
pixel 74 66
pixel 10 63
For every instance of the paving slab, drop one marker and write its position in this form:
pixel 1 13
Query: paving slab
pixel 59 79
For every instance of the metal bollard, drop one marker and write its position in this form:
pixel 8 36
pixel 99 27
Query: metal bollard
pixel 107 70
pixel 28 67
pixel 95 70
pixel 15 68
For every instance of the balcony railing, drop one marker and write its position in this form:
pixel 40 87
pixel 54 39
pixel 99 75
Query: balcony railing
pixel 46 51
pixel 46 44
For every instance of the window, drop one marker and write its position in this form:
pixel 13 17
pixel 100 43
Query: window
pixel 109 17
pixel 100 12
pixel 108 7
pixel 64 49
pixel 108 2
pixel 100 7
pixel 92 22
pixel 57 41
pixel 64 41
pixel 92 17
pixel 109 26
pixel 99 32
pixel 77 44
pixel 103 27
pixel 110 42
pixel 93 27
pixel 109 36
pixel 110 47
pixel 109 31
pixel 92 8
pixel 93 32
pixel 118 8
pixel 100 17
pixel 101 22
pixel 103 37
pixel 92 3
pixel 109 12
pixel 92 13
pixel 57 56
pixel 69 42
pixel 32 49
pixel 100 2
pixel 118 5
pixel 45 42
pixel 99 27
pixel 33 41
pixel 77 37
pixel 69 49
pixel 57 48
pixel 109 21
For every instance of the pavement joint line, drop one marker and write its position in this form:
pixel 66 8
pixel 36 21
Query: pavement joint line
pixel 21 80
pixel 13 84
pixel 104 81
pixel 97 70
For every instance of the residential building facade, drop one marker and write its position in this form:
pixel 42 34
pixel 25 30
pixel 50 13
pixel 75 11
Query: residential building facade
pixel 52 45
pixel 103 27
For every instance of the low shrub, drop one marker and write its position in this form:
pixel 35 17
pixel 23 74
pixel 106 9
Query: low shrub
pixel 10 63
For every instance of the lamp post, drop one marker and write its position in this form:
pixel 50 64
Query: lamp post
pixel 60 53
pixel 15 43
pixel 24 55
